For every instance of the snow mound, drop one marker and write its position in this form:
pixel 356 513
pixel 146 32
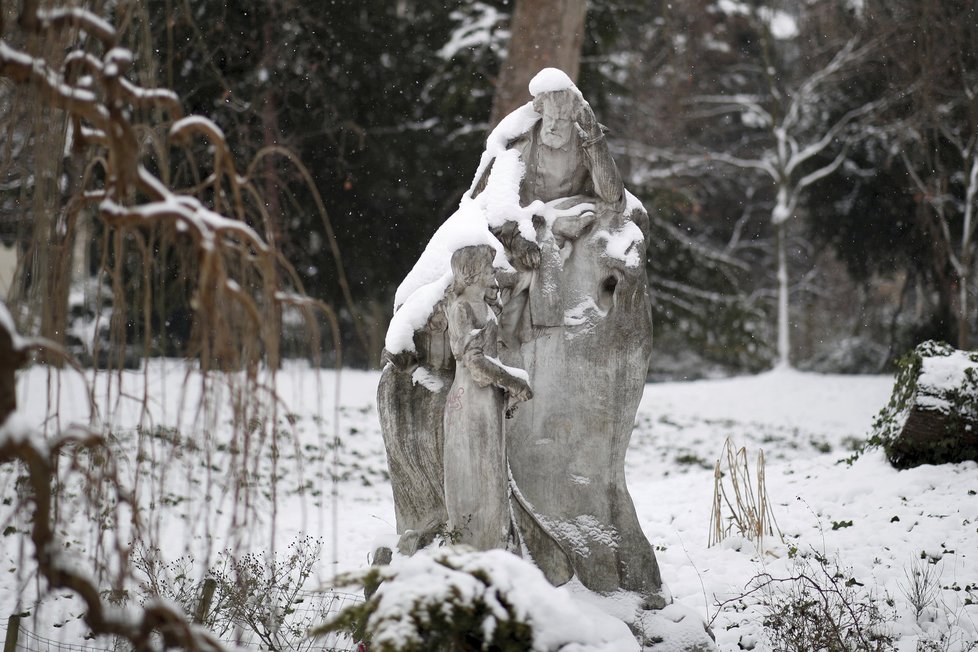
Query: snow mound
pixel 549 80
pixel 494 597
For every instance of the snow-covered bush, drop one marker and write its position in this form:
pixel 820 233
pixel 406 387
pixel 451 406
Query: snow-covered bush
pixel 820 606
pixel 256 596
pixel 464 600
pixel 937 384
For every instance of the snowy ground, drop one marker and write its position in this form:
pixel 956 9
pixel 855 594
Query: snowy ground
pixel 874 522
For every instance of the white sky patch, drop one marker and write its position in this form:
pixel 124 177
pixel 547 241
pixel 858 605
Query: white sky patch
pixel 782 25
pixel 733 8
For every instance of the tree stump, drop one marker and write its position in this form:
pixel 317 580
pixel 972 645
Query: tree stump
pixel 932 417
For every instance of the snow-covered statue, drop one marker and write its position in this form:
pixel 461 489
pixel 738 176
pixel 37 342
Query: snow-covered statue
pixel 566 242
pixel 578 320
pixel 476 477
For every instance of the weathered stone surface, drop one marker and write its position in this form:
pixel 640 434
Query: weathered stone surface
pixel 476 480
pixel 582 329
pixel 411 404
pixel 567 446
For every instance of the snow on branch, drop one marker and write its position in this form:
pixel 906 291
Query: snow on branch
pixel 236 265
pixel 70 17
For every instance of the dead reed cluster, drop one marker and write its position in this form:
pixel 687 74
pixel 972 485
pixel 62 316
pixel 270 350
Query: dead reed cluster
pixel 740 502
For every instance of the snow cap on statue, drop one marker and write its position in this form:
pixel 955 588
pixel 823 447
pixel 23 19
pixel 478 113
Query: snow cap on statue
pixel 550 80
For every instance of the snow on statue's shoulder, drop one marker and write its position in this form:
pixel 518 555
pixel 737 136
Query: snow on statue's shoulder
pixel 549 80
pixel 466 227
pixel 633 203
pixel 509 129
pixel 429 279
pixel 426 283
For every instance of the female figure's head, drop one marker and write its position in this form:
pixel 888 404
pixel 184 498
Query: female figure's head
pixel 472 267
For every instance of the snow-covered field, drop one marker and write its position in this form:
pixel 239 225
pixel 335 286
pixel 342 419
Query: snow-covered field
pixel 875 523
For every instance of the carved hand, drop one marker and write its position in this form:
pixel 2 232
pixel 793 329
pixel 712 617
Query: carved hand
pixel 519 390
pixel 587 126
pixel 404 361
pixel 526 253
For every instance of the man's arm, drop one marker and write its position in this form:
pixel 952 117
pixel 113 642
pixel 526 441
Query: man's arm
pixel 597 157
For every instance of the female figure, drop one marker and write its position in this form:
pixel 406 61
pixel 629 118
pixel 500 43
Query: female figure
pixel 476 475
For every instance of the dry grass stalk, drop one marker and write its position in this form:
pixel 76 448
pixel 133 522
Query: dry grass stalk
pixel 744 508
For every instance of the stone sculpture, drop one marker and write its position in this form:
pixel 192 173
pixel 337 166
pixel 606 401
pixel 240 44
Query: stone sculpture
pixel 476 479
pixel 548 217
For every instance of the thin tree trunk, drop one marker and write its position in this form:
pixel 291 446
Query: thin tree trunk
pixel 52 244
pixel 545 33
pixel 272 181
pixel 784 339
pixel 964 331
pixel 964 310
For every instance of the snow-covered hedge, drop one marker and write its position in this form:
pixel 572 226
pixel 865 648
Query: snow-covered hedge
pixel 465 600
pixel 932 416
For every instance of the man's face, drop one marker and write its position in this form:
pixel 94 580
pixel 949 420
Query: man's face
pixel 559 110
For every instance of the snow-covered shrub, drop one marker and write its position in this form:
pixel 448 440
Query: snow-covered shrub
pixel 922 587
pixel 255 594
pixel 448 599
pixel 935 380
pixel 820 606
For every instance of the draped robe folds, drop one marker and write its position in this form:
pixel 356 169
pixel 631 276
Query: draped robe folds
pixel 581 327
pixel 476 479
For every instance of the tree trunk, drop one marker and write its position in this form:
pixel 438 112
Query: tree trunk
pixel 545 33
pixel 51 275
pixel 784 338
pixel 272 182
pixel 964 310
pixel 12 358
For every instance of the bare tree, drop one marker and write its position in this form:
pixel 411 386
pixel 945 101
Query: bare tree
pixel 934 129
pixel 782 119
pixel 798 136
